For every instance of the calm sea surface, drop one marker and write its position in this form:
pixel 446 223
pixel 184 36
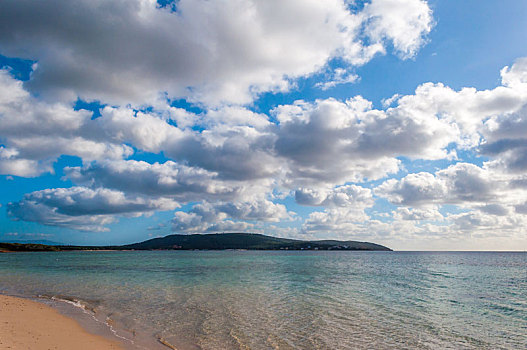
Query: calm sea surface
pixel 289 300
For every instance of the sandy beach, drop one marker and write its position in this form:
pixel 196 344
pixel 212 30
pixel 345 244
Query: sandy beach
pixel 26 324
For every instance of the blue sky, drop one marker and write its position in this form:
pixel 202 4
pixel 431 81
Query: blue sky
pixel 397 122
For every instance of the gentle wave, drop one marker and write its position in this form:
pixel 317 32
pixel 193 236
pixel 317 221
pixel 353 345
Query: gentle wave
pixel 293 300
pixel 90 311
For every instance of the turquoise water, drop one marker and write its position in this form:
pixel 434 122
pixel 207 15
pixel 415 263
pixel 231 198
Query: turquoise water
pixel 290 300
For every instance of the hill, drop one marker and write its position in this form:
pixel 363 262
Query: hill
pixel 249 241
pixel 217 241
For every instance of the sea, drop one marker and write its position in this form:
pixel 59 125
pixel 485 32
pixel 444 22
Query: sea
pixel 284 299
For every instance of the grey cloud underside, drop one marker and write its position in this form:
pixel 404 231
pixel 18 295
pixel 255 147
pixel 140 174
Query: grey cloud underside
pixel 168 179
pixel 507 141
pixel 83 208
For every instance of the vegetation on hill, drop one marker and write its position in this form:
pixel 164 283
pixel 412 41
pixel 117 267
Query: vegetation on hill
pixel 27 247
pixel 249 241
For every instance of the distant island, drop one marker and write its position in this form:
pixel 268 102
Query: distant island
pixel 216 241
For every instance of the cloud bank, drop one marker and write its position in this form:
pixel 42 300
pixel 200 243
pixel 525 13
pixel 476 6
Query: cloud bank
pixel 207 51
pixel 347 165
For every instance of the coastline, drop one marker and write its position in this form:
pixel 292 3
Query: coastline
pixel 28 324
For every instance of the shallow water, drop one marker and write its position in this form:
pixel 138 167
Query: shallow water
pixel 290 300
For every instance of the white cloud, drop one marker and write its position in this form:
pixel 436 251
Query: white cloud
pixel 457 184
pixel 220 217
pixel 412 214
pixel 35 133
pixel 339 76
pixel 336 222
pixel 405 22
pixel 506 141
pixel 167 179
pixel 208 51
pixel 480 203
pixel 344 214
pixel 10 164
pixel 474 114
pixel 146 131
pixel 482 224
pixel 342 196
pixel 184 222
pixel 242 145
pixel 365 141
pixel 82 208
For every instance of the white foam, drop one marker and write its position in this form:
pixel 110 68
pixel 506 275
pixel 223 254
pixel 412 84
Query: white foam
pixel 78 304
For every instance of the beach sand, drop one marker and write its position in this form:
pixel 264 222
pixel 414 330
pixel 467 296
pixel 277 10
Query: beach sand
pixel 27 324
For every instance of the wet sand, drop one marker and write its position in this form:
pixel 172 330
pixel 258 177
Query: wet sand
pixel 27 324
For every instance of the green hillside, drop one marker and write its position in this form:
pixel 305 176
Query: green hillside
pixel 247 241
pixel 27 247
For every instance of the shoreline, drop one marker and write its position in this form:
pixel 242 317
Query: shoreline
pixel 91 322
pixel 29 324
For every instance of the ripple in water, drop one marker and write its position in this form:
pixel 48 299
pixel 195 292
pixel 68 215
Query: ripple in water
pixel 289 300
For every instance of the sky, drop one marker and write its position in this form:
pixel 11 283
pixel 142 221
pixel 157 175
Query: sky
pixel 399 122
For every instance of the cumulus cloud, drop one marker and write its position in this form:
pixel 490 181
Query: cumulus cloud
pixel 207 217
pixel 147 131
pixel 238 144
pixel 11 164
pixel 478 202
pixel 82 208
pixel 331 141
pixel 421 214
pixel 491 197
pixel 234 143
pixel 342 196
pixel 34 133
pixel 414 189
pixel 343 222
pixel 475 114
pixel 235 153
pixel 459 183
pixel 208 51
pixel 506 140
pixel 480 223
pixel 344 212
pixel 191 222
pixel 403 22
pixel 167 179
